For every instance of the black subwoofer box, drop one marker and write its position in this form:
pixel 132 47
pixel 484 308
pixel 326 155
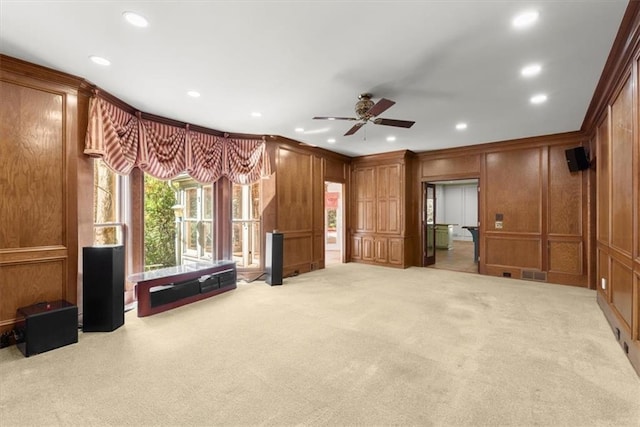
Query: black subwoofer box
pixel 46 326
pixel 102 288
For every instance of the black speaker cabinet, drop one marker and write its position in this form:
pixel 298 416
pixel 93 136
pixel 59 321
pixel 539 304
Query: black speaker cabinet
pixel 102 288
pixel 45 326
pixel 273 258
pixel 577 159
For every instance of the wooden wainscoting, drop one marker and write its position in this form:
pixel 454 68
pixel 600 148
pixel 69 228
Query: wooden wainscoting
pixel 613 122
pixel 297 186
pixel 383 209
pixel 40 129
pixel 533 211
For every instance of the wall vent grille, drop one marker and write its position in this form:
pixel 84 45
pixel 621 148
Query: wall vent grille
pixel 539 276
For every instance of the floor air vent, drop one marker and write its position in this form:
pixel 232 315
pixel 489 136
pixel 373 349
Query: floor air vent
pixel 540 276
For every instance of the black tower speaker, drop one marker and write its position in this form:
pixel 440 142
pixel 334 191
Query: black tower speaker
pixel 102 288
pixel 577 159
pixel 273 258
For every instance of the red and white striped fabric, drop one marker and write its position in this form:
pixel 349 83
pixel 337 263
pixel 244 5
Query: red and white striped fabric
pixel 204 156
pixel 125 141
pixel 113 135
pixel 162 149
pixel 246 160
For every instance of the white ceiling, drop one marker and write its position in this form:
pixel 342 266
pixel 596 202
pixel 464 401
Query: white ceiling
pixel 442 62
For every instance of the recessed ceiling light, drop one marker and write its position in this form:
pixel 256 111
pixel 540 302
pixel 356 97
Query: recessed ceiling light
pixel 461 126
pixel 193 94
pixel 391 138
pixel 538 99
pixel 299 130
pixel 315 131
pixel 100 60
pixel 331 140
pixel 256 114
pixel 531 70
pixel 331 118
pixel 525 19
pixel 135 19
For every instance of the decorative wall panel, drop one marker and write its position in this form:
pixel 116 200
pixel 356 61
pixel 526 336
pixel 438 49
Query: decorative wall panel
pixel 622 291
pixel 566 257
pixel 396 251
pixel 565 196
pixel 25 284
pixel 39 137
pixel 451 166
pixel 365 197
pixel 294 190
pixel 297 249
pixel 31 159
pixel 602 177
pixel 514 190
pixel 622 170
pixel 514 252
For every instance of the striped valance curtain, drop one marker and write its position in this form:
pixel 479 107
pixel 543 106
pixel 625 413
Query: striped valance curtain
pixel 162 153
pixel 245 161
pixel 125 141
pixel 112 134
pixel 205 157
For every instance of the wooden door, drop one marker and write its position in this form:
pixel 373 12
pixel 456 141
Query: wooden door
pixel 429 224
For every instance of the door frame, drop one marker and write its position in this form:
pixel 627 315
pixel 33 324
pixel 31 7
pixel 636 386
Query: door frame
pixel 435 179
pixel 340 224
pixel 428 259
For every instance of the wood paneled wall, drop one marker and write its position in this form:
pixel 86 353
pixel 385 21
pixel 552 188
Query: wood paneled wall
pixel 293 200
pixel 383 225
pixel 543 206
pixel 614 126
pixel 40 134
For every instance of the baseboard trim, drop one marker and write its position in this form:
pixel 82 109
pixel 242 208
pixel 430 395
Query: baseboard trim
pixel 625 335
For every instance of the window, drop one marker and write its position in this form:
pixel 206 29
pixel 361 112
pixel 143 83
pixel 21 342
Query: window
pixel 160 224
pixel 191 221
pixel 189 212
pixel 178 221
pixel 198 222
pixel 107 209
pixel 245 210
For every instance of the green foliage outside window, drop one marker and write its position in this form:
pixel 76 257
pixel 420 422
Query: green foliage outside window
pixel 332 220
pixel 159 223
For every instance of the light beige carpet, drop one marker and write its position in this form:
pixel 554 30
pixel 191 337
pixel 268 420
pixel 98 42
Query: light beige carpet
pixel 348 345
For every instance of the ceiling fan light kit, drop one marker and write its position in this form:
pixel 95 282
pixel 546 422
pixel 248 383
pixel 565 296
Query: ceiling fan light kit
pixel 366 110
pixel 364 105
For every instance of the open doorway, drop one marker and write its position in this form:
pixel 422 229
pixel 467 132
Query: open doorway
pixel 452 237
pixel 333 223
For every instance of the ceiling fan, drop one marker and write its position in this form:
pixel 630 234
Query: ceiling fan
pixel 367 111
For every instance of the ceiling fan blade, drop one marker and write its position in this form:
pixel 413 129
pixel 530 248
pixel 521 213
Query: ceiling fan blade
pixel 354 129
pixel 380 107
pixel 392 122
pixel 335 118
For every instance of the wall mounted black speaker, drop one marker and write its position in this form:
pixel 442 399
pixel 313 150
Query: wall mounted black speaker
pixel 273 258
pixel 577 159
pixel 102 288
